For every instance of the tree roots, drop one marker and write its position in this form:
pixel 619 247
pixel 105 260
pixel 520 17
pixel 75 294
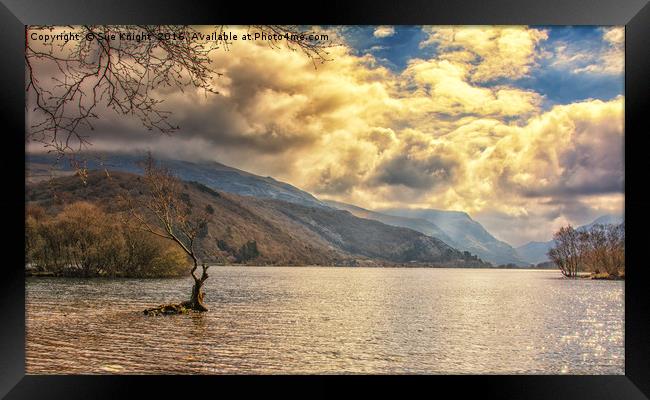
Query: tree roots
pixel 167 309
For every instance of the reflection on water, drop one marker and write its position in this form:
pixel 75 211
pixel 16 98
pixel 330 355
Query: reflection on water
pixel 331 320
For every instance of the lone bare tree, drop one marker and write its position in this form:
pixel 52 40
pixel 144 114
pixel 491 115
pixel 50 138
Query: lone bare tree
pixel 69 81
pixel 567 253
pixel 164 211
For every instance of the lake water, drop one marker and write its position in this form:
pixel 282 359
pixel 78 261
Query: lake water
pixel 330 320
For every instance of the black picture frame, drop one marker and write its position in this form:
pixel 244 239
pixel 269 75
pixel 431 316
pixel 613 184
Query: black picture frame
pixel 634 14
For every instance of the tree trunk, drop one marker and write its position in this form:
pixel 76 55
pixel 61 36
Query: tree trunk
pixel 196 301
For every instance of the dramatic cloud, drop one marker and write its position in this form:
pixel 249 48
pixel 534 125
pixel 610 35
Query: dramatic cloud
pixel 384 31
pixel 491 52
pixel 448 83
pixel 451 130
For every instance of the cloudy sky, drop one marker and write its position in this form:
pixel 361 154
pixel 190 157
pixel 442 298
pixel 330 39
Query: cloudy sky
pixel 521 127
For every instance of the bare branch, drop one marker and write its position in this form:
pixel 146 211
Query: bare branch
pixel 68 83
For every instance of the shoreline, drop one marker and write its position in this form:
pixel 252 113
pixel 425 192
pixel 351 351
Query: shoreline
pixel 587 276
pixel 53 275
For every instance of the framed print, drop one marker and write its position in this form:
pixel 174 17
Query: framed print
pixel 445 193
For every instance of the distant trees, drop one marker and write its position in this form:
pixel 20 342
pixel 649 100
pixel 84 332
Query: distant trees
pixel 149 256
pixel 247 252
pixel 604 249
pixel 599 250
pixel 84 240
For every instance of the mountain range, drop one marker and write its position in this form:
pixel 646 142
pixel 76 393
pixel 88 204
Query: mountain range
pixel 284 233
pixel 452 228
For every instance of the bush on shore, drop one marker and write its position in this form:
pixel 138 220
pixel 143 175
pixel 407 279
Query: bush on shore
pixel 83 240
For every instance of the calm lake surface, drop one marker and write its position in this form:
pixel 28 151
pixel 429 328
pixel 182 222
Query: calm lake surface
pixel 330 320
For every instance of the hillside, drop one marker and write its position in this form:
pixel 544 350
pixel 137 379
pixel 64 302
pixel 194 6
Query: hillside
pixel 420 225
pixel 370 238
pixel 535 252
pixel 455 228
pixel 465 234
pixel 214 175
pixel 285 233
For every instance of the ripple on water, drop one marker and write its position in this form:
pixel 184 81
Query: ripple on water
pixel 330 320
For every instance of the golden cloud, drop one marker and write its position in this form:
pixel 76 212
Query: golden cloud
pixel 383 31
pixel 493 52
